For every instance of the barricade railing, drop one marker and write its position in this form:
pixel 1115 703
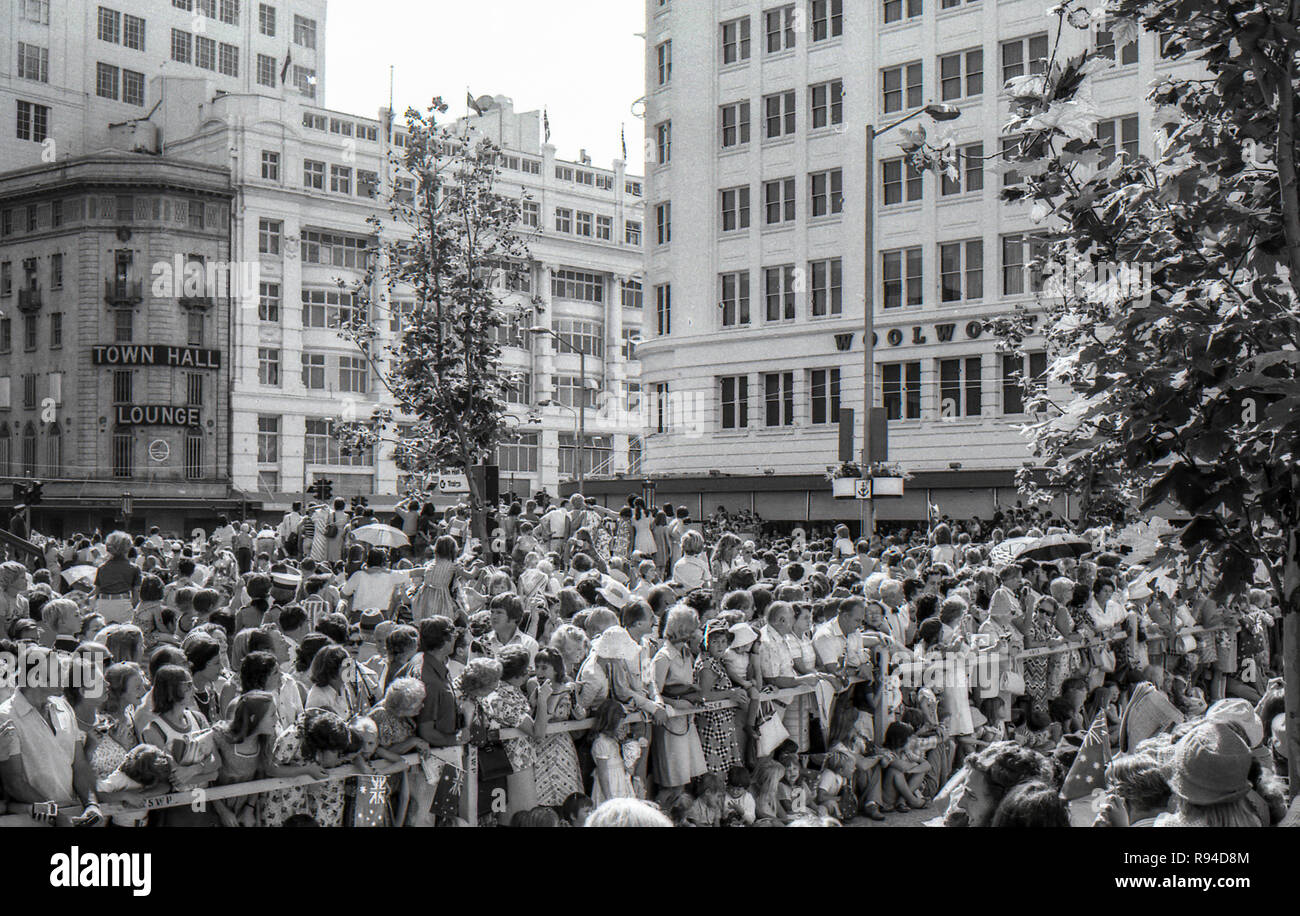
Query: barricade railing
pixel 452 756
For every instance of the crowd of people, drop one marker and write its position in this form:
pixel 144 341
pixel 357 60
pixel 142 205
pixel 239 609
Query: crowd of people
pixel 623 666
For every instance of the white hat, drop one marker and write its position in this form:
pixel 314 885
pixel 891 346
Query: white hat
pixel 1238 712
pixel 742 634
pixel 616 643
pixel 615 593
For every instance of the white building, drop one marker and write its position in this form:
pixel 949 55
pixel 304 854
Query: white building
pixel 755 271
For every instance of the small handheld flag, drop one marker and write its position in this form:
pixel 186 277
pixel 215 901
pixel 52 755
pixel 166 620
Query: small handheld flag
pixel 1088 771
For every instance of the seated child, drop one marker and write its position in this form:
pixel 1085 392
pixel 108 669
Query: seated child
pixel 740 801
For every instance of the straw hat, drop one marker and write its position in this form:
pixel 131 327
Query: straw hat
pixel 616 643
pixel 1211 765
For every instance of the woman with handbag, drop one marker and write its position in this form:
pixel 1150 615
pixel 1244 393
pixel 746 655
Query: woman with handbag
pixel 508 707
pixel 678 755
pixel 718 726
pixel 782 665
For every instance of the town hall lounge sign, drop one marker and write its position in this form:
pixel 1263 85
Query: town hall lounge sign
pixel 155 355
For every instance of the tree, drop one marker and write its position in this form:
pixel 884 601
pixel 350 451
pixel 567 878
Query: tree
pixel 447 240
pixel 1183 352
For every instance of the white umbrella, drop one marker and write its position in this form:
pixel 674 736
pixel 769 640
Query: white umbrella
pixel 74 574
pixel 1004 552
pixel 380 535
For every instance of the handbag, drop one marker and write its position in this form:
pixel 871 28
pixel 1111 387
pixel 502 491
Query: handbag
pixel 1105 658
pixel 1012 682
pixel 493 762
pixel 771 730
pixel 331 530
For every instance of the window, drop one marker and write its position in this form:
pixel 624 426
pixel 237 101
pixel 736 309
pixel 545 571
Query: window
pixel 313 371
pixel 827 103
pixel 605 228
pixel 959 387
pixel 664 222
pixel 132 87
pixel 329 308
pixel 1016 387
pixel 1010 150
pixel 900 390
pixel 54 451
pixel 56 330
pixel 107 79
pixel 827 281
pixel 664 309
pixel 735 402
pixel 569 391
pixel 901 87
pixel 632 232
pixel 33 122
pixel 827 19
pixel 266 19
pixel 577 284
pixel 335 249
pixel 270 165
pixel 780 29
pixel 901 277
pixel 268 440
pixel 631 396
pixel 778 114
pixel 663 142
pixel 123 326
pixel 133 32
pixel 1023 56
pixel 6 278
pixel 313 174
pixel 961 270
pixel 517 453
pixel 961 75
pixel 778 293
pixel 205 52
pixel 583 224
pixel 778 201
pixel 268 302
pixel 778 398
pixel 110 25
pixel 1118 133
pixel 735 298
pixel 56 216
pixel 664 61
pixel 228 61
pixel 6 443
pixel 193 455
pixel 824 395
pixel 826 192
pixel 33 63
pixel 895 188
pixel 56 270
pixel 31 332
pixel 631 337
pixel 122 386
pixel 193 389
pixel 563 219
pixel 735 208
pixel 735 41
pixel 1018 252
pixel 266 70
pixel 182 46
pixel 230 12
pixel 633 188
pixel 631 294
pixel 970 169
pixel 194 325
pixel 531 213
pixel 582 335
pixel 123 443
pixel 1106 45
pixel 896 10
pixel 354 375
pixel 304 31
pixel 268 366
pixel 268 236
pixel 341 179
pixel 735 124
pixel 37 11
pixel 29 390
pixel 6 334
pixel 597 453
pixel 521 391
pixel 305 79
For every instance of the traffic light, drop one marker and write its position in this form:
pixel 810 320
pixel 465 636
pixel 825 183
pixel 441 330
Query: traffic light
pixel 27 494
pixel 323 487
pixel 34 493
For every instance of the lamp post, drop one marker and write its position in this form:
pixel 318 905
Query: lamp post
pixel 581 410
pixel 940 113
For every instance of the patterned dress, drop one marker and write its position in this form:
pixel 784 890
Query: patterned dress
pixel 506 707
pixel 717 726
pixel 556 770
pixel 322 801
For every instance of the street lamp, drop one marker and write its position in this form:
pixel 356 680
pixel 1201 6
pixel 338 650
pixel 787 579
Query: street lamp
pixel 939 112
pixel 577 425
pixel 581 411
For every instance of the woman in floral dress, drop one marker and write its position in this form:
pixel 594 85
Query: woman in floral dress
pixel 508 707
pixel 556 770
pixel 319 740
pixel 718 726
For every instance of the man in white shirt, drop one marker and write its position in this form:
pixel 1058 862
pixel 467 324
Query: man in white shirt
pixel 224 533
pixel 371 589
pixel 897 618
pixel 507 611
pixel 840 644
pixel 289 524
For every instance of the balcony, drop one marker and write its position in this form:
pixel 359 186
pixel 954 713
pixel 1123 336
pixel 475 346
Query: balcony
pixel 123 293
pixel 29 299
pixel 199 302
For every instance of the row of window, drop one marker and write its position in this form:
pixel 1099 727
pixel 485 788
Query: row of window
pixel 27 463
pixel 598 180
pixel 314 172
pixel 226 10
pixel 320 445
pixel 822 281
pixel 32 332
pixel 31 274
pixel 580 223
pixel 341 126
pixel 825 198
pixel 123 208
pixel 779 116
pixel 54 390
pixel 353 371
pixel 119 84
pixel 519 454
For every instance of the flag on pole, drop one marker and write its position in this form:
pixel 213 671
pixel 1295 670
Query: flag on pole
pixel 1088 772
pixel 288 56
pixel 471 104
pixel 546 125
pixel 622 135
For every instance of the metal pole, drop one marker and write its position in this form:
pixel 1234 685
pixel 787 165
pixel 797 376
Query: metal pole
pixel 582 416
pixel 868 323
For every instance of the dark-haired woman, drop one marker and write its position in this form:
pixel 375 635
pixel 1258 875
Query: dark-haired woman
pixel 178 729
pixel 318 738
pixel 508 707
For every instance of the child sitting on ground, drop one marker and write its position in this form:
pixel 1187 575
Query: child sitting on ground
pixel 739 804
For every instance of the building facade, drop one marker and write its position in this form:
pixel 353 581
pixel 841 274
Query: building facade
pixel 756 243
pixel 114 321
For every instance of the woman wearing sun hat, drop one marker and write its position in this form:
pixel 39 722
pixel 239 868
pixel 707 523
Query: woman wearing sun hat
pixel 1210 778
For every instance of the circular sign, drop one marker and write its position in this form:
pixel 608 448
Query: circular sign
pixel 159 450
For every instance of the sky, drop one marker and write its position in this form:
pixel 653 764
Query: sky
pixel 581 60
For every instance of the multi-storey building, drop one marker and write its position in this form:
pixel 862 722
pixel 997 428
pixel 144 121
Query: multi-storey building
pixel 307 181
pixel 755 257
pixel 70 68
pixel 113 339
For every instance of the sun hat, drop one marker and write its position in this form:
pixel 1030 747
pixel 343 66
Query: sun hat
pixel 616 643
pixel 1238 712
pixel 1211 765
pixel 615 593
pixel 1003 603
pixel 742 634
pixel 717 628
